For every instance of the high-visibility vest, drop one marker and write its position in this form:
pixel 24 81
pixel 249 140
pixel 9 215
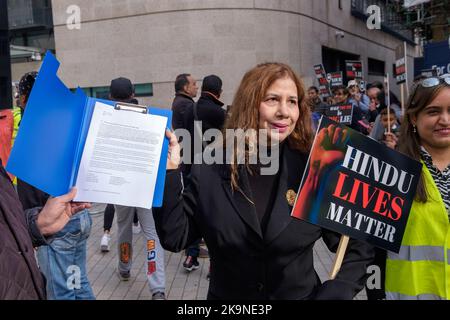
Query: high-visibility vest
pixel 421 270
pixel 17 118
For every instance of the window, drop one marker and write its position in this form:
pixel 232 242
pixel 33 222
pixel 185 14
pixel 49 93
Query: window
pixel 143 90
pixel 376 67
pixel 140 90
pixel 96 92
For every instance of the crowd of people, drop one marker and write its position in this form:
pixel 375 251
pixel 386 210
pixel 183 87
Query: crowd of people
pixel 256 249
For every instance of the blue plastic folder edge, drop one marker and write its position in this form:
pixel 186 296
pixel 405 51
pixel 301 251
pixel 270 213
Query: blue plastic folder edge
pixel 50 142
pixel 44 149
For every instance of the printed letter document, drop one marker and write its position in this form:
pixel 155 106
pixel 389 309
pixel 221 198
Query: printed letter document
pixel 120 160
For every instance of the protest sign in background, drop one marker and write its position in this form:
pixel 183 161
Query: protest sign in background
pixel 336 79
pixel 354 70
pixel 340 113
pixel 400 64
pixel 324 86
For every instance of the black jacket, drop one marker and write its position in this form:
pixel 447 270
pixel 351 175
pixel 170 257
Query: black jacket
pixel 20 277
pixel 29 196
pixel 211 115
pixel 209 112
pixel 246 264
pixel 179 106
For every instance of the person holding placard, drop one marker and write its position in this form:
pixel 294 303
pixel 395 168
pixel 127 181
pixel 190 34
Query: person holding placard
pixel 341 97
pixel 422 268
pixel 358 98
pixel 257 250
pixel 391 128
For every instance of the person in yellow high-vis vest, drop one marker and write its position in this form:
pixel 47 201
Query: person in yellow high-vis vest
pixel 421 270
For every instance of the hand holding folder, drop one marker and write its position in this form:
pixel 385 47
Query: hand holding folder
pixel 52 137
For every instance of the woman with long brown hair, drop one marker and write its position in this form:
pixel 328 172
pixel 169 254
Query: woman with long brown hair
pixel 257 250
pixel 421 270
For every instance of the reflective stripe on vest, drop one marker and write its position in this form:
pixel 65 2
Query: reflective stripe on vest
pixel 399 296
pixel 420 253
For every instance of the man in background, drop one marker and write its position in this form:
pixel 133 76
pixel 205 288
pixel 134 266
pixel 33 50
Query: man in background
pixel 185 91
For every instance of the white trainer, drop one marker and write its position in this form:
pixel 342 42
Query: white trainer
pixel 104 244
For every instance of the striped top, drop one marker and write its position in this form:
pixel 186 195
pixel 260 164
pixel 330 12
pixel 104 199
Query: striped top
pixel 441 178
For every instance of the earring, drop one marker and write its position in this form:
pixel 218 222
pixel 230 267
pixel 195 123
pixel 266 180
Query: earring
pixel 414 129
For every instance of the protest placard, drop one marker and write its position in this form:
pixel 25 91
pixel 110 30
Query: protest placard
pixel 336 79
pixel 354 70
pixel 357 187
pixel 340 113
pixel 324 86
pixel 400 64
pixel 401 72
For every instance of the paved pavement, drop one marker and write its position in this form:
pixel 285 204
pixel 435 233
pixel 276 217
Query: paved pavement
pixel 180 285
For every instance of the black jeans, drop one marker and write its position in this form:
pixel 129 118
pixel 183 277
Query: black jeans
pixel 194 249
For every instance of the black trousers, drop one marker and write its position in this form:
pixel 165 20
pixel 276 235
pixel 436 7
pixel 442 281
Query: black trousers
pixel 194 249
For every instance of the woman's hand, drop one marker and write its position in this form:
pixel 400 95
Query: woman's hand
pixel 173 157
pixel 57 212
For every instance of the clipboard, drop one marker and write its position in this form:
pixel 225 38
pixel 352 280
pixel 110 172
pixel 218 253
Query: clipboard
pixel 49 145
pixel 122 106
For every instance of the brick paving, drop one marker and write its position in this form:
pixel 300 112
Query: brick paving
pixel 180 285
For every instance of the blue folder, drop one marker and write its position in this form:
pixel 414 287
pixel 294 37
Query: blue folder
pixel 49 145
